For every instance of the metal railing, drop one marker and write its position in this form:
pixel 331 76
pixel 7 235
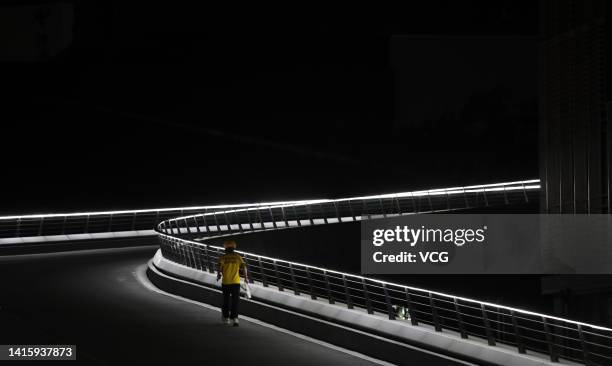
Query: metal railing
pixel 525 330
pixel 353 209
pixel 50 225
pixel 56 225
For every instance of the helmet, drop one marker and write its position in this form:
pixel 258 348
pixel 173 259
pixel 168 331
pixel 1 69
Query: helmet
pixel 229 244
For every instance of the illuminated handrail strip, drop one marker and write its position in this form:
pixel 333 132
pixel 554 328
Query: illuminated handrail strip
pixel 530 184
pixel 151 210
pixel 526 185
pixel 54 226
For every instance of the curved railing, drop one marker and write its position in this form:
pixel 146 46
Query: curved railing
pixel 100 224
pixel 326 211
pixel 467 318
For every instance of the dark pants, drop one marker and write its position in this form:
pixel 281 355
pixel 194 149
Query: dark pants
pixel 232 291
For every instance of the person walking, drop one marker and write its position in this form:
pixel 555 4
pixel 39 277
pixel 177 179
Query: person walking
pixel 229 267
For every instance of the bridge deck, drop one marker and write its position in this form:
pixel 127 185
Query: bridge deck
pixel 94 299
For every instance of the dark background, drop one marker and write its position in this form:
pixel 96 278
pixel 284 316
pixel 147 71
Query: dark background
pixel 108 105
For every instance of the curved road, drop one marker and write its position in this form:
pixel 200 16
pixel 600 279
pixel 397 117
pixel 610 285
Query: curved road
pixel 94 299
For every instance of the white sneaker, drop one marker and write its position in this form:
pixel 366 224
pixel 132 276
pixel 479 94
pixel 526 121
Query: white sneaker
pixel 226 321
pixel 235 322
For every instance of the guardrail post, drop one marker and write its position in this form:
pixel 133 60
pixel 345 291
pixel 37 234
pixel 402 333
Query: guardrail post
pixel 261 221
pixel 554 357
pixel 487 326
pixel 382 207
pixel 460 319
pixel 264 278
pixel 411 312
pixel 366 296
pixel 174 250
pixel 197 224
pixel 297 218
pixel 415 207
pixel 484 193
pixel 390 311
pixel 364 209
pixel 179 250
pixel 238 220
pixel 209 263
pixel 293 281
pixel 351 209
pixel 171 249
pixel 194 261
pixel 309 211
pixel 188 260
pixel 187 226
pixel 272 217
pixel 313 295
pixel 64 226
pixel 330 296
pixel 284 216
pixel 217 222
pixel 249 219
pixel 520 344
pixel 197 250
pixel 279 283
pixel 205 223
pixel 186 254
pixel 337 212
pixel 227 221
pixel 323 214
pixel 525 193
pixel 585 352
pixel 178 227
pixel 429 201
pixel 397 203
pixel 110 223
pixel 347 293
pixel 465 198
pixel 203 216
pixel 162 246
pixel 249 276
pixel 434 313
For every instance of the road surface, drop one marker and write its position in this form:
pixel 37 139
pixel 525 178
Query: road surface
pixel 94 299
